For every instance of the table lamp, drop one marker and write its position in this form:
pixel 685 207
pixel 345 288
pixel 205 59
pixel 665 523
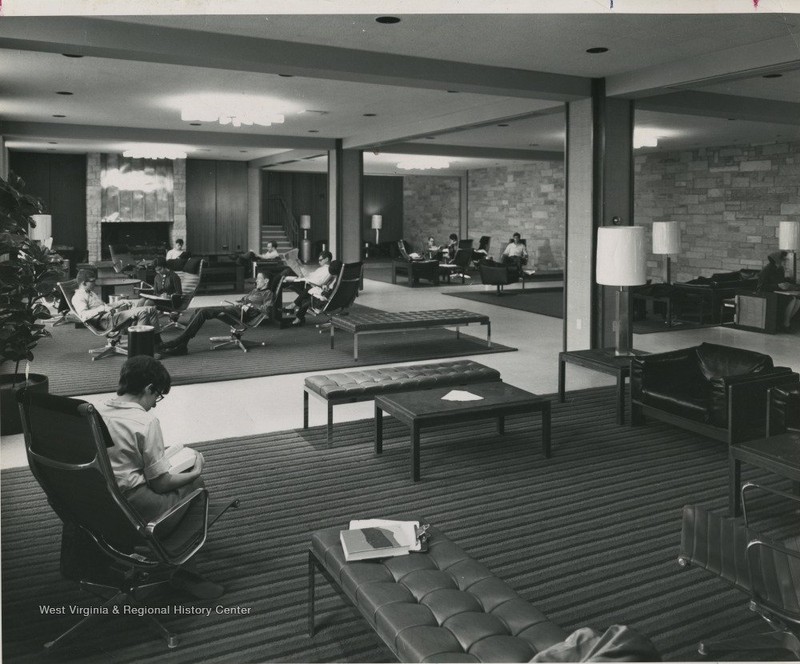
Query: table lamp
pixel 305 224
pixel 789 240
pixel 43 229
pixel 377 224
pixel 666 241
pixel 621 263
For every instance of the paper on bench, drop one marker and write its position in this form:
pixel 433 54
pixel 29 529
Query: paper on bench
pixel 360 543
pixel 461 395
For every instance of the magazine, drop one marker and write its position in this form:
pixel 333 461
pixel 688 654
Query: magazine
pixel 379 538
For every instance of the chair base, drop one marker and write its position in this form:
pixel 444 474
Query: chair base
pixel 780 639
pixel 234 339
pixel 120 597
pixel 108 350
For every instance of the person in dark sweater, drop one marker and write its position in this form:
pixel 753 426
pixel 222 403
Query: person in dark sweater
pixel 773 278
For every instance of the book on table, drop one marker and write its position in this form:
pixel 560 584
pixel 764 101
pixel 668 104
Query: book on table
pixel 379 538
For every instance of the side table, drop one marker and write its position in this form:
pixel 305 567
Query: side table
pixel 603 360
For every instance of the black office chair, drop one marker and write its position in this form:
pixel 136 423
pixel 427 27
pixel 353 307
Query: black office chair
pixel 460 264
pixel 766 569
pixel 343 293
pixel 66 442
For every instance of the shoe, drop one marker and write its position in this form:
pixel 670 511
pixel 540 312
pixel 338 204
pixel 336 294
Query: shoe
pixel 174 351
pixel 298 322
pixel 195 585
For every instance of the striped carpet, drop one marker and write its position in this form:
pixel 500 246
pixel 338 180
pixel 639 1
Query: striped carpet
pixel 589 536
pixel 65 360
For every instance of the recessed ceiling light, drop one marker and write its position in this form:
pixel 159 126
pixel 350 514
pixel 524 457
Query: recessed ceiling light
pixel 772 76
pixel 597 49
pixel 731 119
pixel 286 75
pixel 453 92
pixel 370 115
pixel 196 124
pixel 58 115
pixel 387 20
pixel 313 131
pixel 72 55
pixel 504 124
pixel 430 138
pixel 65 93
pixel 52 142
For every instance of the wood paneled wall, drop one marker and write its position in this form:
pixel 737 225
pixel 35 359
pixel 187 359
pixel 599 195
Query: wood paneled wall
pixel 60 181
pixel 216 206
pixel 307 193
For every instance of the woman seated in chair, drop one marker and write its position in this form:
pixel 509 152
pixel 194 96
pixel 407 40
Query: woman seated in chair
pixel 315 290
pixel 257 302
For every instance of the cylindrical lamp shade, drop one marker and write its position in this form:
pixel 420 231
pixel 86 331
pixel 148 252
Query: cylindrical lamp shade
pixel 666 237
pixel 789 236
pixel 377 222
pixel 305 221
pixel 43 229
pixel 621 256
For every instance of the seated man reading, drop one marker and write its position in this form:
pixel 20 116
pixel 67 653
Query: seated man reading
pixel 102 316
pixel 257 301
pixel 309 280
pixel 313 291
pixel 516 252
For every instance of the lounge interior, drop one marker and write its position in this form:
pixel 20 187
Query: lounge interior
pixel 386 129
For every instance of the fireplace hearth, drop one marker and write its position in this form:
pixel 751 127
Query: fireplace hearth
pixel 150 237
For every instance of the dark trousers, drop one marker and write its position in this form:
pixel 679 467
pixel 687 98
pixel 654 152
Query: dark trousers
pixel 229 315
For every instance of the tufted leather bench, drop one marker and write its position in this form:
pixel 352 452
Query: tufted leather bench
pixel 372 322
pixel 439 606
pixel 354 386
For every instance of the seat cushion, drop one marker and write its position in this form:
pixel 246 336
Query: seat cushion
pixel 387 320
pixel 687 399
pixel 363 384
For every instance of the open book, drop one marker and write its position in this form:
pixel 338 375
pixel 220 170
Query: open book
pixel 180 458
pixel 379 538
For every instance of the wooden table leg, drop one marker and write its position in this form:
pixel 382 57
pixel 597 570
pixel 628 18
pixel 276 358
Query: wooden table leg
pixel 311 579
pixel 378 429
pixel 546 430
pixel 620 398
pixel 734 486
pixel 415 452
pixel 562 365
pixel 305 409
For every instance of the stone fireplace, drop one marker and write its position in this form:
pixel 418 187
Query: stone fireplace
pixel 98 231
pixel 139 237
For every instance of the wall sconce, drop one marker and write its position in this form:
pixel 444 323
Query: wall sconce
pixel 377 224
pixel 43 229
pixel 305 224
pixel 789 240
pixel 666 241
pixel 621 263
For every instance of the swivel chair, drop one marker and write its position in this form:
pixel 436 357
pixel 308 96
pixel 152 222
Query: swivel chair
pixel 66 443
pixel 113 336
pixel 343 294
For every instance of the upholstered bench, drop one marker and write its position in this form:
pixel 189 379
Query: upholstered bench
pixel 354 386
pixel 443 606
pixel 373 322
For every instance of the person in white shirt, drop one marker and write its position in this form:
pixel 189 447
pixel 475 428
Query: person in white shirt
pixel 90 307
pixel 515 252
pixel 271 253
pixel 301 285
pixel 177 250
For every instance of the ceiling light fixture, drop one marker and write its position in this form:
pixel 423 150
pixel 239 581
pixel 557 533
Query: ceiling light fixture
pixel 155 151
pixel 65 93
pixel 423 163
pixel 234 109
pixel 313 131
pixel 504 124
pixel 370 115
pixel 597 49
pixel 58 115
pixel 196 124
pixel 286 75
pixel 72 55
pixel 387 20
pixel 772 76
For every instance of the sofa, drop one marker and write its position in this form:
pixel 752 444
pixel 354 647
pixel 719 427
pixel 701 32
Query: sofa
pixel 718 391
pixel 784 409
pixel 706 294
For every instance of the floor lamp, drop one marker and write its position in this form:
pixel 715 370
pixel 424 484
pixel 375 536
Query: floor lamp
pixel 305 245
pixel 621 263
pixel 666 241
pixel 377 224
pixel 789 240
pixel 43 229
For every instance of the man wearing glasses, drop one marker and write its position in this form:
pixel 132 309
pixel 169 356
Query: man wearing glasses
pixel 90 307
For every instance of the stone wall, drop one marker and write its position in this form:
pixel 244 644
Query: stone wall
pixel 93 204
pixel 729 201
pixel 527 199
pixel 431 207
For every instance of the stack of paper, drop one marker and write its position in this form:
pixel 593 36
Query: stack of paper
pixel 379 538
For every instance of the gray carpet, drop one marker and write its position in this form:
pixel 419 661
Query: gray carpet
pixel 590 536
pixel 545 301
pixel 65 360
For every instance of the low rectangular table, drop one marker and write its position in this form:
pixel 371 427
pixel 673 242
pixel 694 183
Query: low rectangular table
pixel 423 408
pixel 384 321
pixel 779 454
pixel 604 361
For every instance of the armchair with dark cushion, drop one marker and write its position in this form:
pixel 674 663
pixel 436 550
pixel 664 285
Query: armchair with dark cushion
pixel 765 568
pixel 496 274
pixel 706 294
pixel 107 545
pixel 415 268
pixel 718 391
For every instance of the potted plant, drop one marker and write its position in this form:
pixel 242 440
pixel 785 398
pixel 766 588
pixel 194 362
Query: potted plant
pixel 25 277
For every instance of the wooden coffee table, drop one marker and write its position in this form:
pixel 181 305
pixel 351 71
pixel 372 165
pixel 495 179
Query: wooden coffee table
pixel 779 454
pixel 421 408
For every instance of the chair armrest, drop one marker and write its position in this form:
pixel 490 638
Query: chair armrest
pixel 199 494
pixel 762 377
pixel 647 370
pixel 751 487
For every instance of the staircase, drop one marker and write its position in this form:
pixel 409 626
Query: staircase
pixel 277 235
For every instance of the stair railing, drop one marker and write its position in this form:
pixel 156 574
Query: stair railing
pixel 278 210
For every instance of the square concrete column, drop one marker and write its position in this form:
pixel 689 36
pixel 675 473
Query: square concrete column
pixel 345 203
